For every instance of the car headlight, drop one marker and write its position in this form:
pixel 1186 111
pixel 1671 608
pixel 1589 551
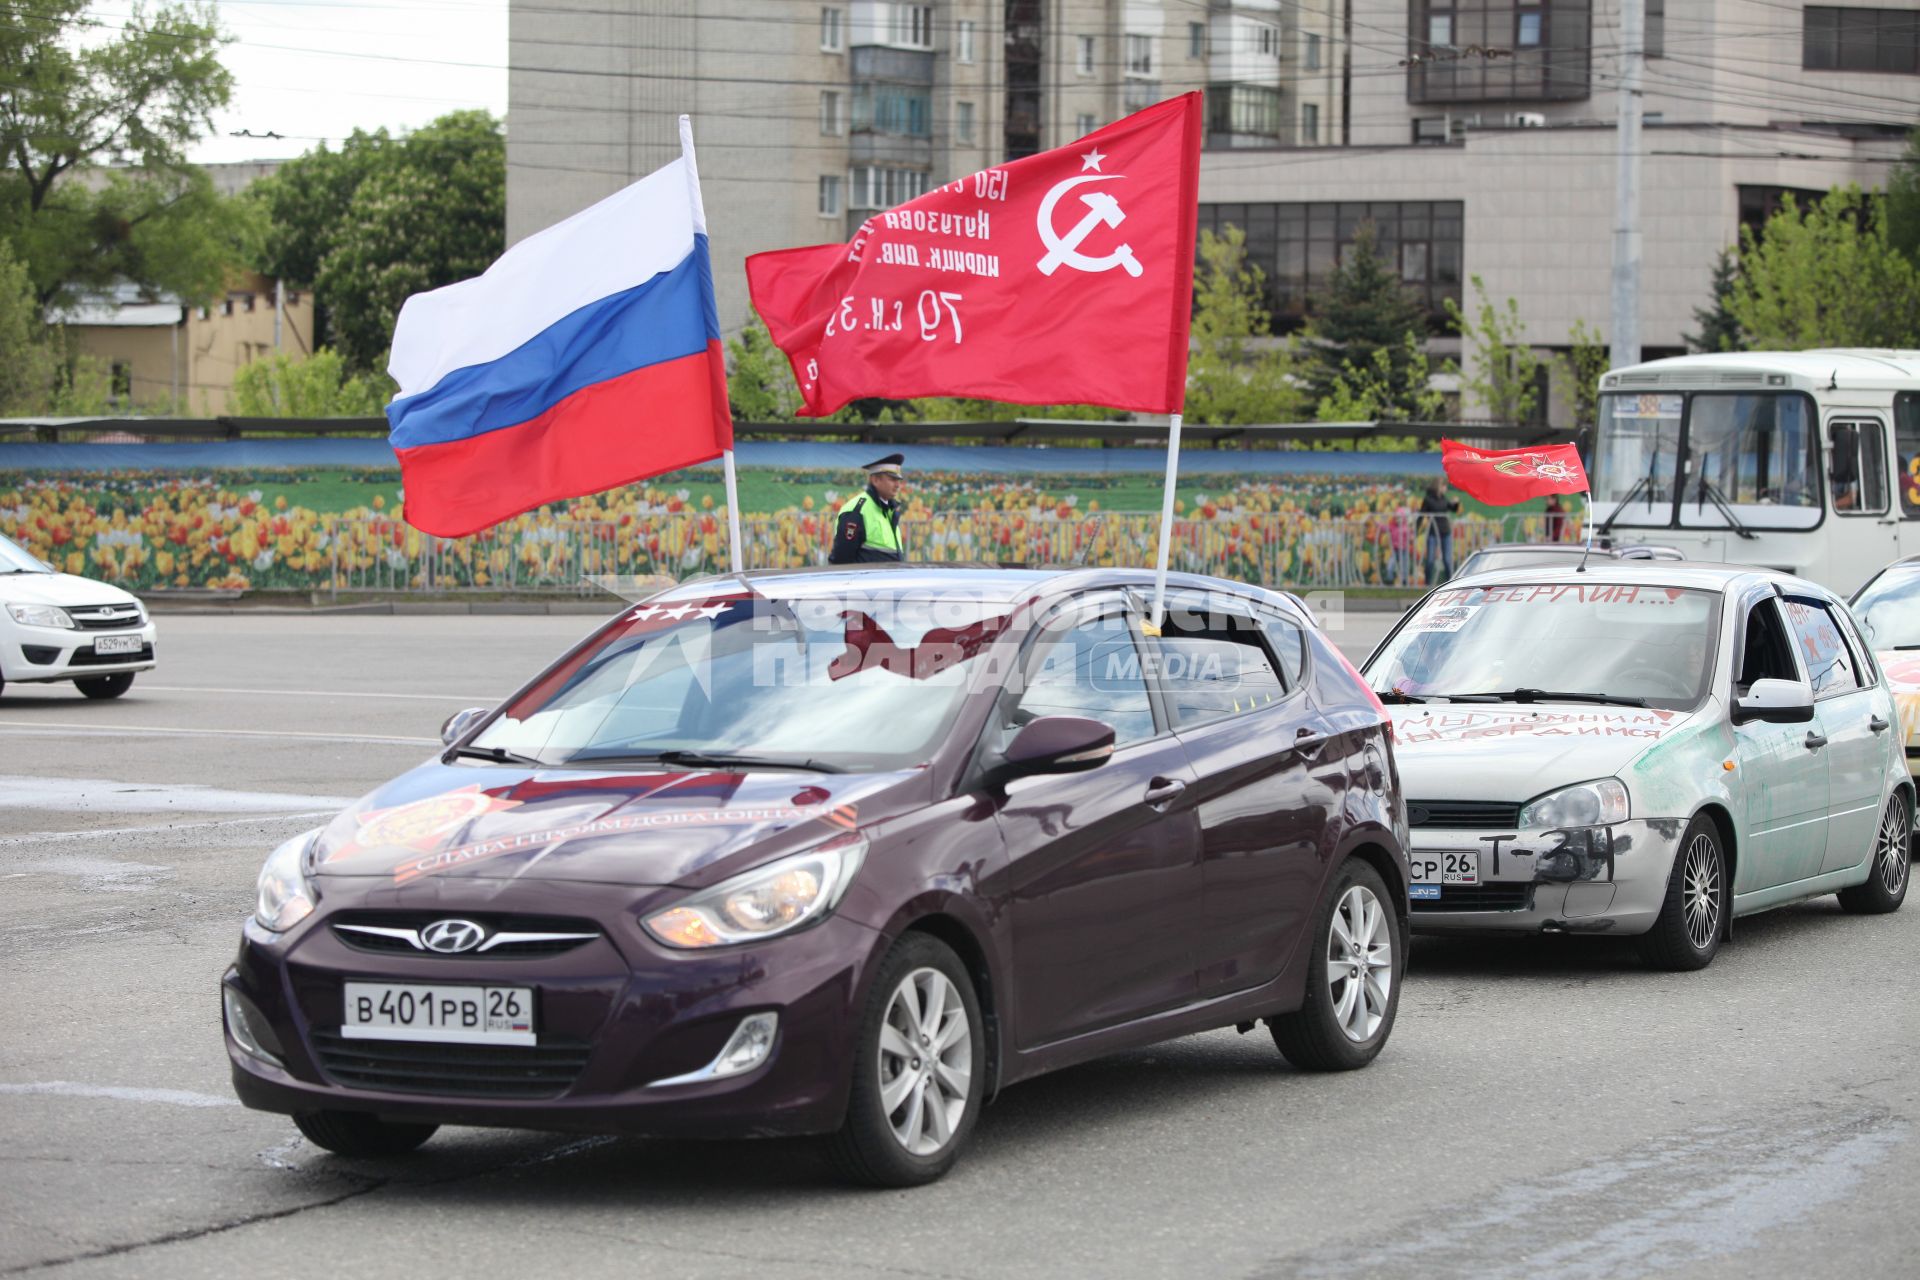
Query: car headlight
pixel 286 898
pixel 1587 804
pixel 765 901
pixel 40 615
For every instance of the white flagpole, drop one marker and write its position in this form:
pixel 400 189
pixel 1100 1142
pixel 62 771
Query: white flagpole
pixel 1166 522
pixel 726 458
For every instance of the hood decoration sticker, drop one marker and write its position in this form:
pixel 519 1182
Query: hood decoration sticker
pixel 1460 726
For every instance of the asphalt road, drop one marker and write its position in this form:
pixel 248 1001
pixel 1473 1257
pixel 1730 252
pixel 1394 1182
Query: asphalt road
pixel 1544 1109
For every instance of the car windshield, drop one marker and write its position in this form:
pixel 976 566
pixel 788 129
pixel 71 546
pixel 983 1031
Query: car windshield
pixel 847 683
pixel 1888 610
pixel 1525 558
pixel 1593 642
pixel 15 559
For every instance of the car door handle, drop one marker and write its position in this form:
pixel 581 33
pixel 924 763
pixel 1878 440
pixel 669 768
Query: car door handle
pixel 1878 725
pixel 1815 741
pixel 1162 792
pixel 1307 741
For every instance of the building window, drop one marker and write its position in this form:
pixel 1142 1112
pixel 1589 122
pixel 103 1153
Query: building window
pixel 1267 40
pixel 829 195
pixel 122 381
pixel 1526 29
pixel 1440 30
pixel 1656 32
pixel 963 40
pixel 1139 55
pixel 1313 51
pixel 831 37
pixel 1084 124
pixel 1886 40
pixel 1297 246
pixel 963 121
pixel 1245 109
pixel 1310 122
pixel 1196 39
pixel 833 120
pixel 1549 46
pixel 1087 48
pixel 878 188
pixel 910 26
pixel 885 108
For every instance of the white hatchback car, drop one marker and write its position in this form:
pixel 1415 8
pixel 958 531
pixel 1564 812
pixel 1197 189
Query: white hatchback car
pixel 55 626
pixel 1644 748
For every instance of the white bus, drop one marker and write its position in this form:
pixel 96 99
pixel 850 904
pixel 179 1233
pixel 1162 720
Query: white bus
pixel 1807 461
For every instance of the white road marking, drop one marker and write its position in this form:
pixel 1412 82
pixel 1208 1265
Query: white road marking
pixel 68 728
pixel 121 1093
pixel 41 837
pixel 469 699
pixel 106 795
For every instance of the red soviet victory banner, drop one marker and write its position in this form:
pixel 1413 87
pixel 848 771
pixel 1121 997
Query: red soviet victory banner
pixel 1502 477
pixel 1062 278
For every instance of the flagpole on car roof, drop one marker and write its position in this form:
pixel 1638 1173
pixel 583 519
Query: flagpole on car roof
pixel 1166 522
pixel 730 478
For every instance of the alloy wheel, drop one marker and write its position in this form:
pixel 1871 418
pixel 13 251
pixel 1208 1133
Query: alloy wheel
pixel 1700 892
pixel 1359 963
pixel 926 1061
pixel 1890 850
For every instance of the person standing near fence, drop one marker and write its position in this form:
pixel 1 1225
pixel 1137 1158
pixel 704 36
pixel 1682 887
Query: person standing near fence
pixel 1556 518
pixel 1436 512
pixel 1400 546
pixel 867 528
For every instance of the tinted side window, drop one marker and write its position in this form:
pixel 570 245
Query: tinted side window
pixel 1093 671
pixel 1767 655
pixel 1864 672
pixel 1289 645
pixel 1210 674
pixel 1830 664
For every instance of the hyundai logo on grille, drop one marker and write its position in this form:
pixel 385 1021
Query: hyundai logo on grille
pixel 449 936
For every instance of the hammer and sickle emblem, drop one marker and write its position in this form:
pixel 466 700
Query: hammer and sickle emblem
pixel 1102 210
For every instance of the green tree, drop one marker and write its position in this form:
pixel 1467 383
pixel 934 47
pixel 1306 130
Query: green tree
pixel 1363 309
pixel 760 384
pixel 1502 372
pixel 1236 371
pixel 94 184
pixel 1826 276
pixel 1585 362
pixel 1379 390
pixel 319 386
pixel 27 367
pixel 1903 201
pixel 1719 331
pixel 385 217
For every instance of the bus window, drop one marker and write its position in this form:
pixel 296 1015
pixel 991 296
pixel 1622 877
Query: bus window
pixel 1906 444
pixel 1857 467
pixel 1754 449
pixel 1638 453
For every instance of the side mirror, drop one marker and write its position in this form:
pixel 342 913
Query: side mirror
pixel 458 723
pixel 1055 744
pixel 1775 701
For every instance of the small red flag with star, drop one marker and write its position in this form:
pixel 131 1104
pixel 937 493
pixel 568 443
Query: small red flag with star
pixel 1062 278
pixel 1503 477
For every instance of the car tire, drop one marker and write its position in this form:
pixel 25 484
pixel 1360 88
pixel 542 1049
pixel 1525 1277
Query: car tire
pixel 1887 876
pixel 1692 923
pixel 355 1133
pixel 903 1128
pixel 105 686
pixel 1358 941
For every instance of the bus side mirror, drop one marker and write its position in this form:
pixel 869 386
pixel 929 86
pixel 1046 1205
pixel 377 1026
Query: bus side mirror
pixel 1776 702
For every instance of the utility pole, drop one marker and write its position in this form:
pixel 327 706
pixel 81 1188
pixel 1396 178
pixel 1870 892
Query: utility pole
pixel 1626 215
pixel 279 309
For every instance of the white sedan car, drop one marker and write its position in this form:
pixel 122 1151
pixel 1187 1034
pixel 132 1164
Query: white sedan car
pixel 54 626
pixel 1643 748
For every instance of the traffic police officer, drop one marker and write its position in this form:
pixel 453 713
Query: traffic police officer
pixel 867 528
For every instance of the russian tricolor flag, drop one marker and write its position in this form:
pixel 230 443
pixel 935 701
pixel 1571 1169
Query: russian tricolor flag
pixel 587 357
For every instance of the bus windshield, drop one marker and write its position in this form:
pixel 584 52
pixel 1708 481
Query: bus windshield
pixel 1708 450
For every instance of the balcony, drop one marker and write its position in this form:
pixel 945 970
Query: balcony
pixel 895 66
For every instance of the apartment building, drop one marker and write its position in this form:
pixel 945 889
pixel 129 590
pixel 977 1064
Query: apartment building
pixel 1476 136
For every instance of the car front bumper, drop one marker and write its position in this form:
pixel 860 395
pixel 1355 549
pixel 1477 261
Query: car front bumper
pixel 614 1017
pixel 31 655
pixel 1585 880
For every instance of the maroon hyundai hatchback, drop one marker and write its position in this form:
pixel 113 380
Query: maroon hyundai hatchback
pixel 840 852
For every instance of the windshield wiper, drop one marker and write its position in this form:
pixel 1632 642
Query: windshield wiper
pixel 1395 695
pixel 1905 646
pixel 497 755
pixel 704 759
pixel 1546 695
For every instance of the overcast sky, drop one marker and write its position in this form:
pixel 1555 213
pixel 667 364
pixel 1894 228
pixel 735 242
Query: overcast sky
pixel 311 69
